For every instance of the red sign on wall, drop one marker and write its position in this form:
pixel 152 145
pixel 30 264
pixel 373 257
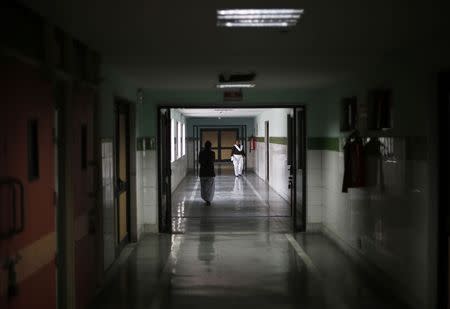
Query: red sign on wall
pixel 232 95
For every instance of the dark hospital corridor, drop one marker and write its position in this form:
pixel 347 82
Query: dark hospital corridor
pixel 224 154
pixel 239 252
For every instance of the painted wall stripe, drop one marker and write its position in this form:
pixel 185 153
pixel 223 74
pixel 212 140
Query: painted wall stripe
pixel 281 140
pixel 323 143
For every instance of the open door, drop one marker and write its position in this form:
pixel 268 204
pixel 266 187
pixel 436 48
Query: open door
pixel 122 141
pixel 165 172
pixel 297 167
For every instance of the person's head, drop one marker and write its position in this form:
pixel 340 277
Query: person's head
pixel 208 145
pixel 238 142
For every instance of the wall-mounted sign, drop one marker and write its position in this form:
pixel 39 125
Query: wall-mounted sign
pixel 233 95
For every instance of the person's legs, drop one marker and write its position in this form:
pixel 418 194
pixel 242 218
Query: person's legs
pixel 207 188
pixel 236 165
pixel 240 165
pixel 212 189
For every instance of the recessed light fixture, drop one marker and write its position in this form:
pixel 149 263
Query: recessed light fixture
pixel 271 18
pixel 235 85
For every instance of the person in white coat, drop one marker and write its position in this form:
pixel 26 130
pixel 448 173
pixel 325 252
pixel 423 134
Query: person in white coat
pixel 237 156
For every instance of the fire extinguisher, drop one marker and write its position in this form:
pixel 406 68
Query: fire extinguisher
pixel 252 143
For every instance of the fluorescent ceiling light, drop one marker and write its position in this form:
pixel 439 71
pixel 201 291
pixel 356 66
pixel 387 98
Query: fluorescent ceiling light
pixel 278 18
pixel 235 85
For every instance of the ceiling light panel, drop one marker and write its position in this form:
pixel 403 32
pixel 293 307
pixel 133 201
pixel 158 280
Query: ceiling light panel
pixel 270 18
pixel 235 85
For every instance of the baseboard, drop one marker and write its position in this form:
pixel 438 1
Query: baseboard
pixel 141 232
pixel 376 274
pixel 314 227
pixel 112 270
pixel 150 228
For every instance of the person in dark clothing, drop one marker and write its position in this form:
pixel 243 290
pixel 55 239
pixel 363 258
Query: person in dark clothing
pixel 206 159
pixel 237 156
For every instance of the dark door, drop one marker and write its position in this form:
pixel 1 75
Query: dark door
pixel 267 143
pixel 165 172
pixel 297 176
pixel 444 189
pixel 27 186
pixel 122 142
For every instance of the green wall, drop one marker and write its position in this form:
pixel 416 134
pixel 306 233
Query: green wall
pixel 113 85
pixel 316 110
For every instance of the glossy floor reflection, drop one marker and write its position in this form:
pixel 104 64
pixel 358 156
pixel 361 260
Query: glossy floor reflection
pixel 223 260
pixel 240 204
pixel 241 270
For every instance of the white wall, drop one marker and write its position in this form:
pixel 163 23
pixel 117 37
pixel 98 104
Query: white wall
pixel 279 172
pixel 147 197
pixel 251 158
pixel 314 193
pixel 179 171
pixel 277 118
pixel 391 230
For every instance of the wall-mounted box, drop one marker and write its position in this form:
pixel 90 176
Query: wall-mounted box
pixel 349 109
pixel 380 109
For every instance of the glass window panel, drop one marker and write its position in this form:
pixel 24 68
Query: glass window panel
pixel 228 138
pixel 179 139
pixel 225 154
pixel 184 139
pixel 212 136
pixel 172 140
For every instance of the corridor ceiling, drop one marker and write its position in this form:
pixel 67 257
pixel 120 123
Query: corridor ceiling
pixel 177 45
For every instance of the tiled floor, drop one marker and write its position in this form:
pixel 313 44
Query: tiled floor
pixel 246 196
pixel 223 260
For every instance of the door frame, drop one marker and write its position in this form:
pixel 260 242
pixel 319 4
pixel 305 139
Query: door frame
pixel 122 106
pixel 217 105
pixel 296 153
pixel 444 196
pixel 267 146
pixel 164 227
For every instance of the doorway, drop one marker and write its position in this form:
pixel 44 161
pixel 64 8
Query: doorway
pixel 122 176
pixel 252 197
